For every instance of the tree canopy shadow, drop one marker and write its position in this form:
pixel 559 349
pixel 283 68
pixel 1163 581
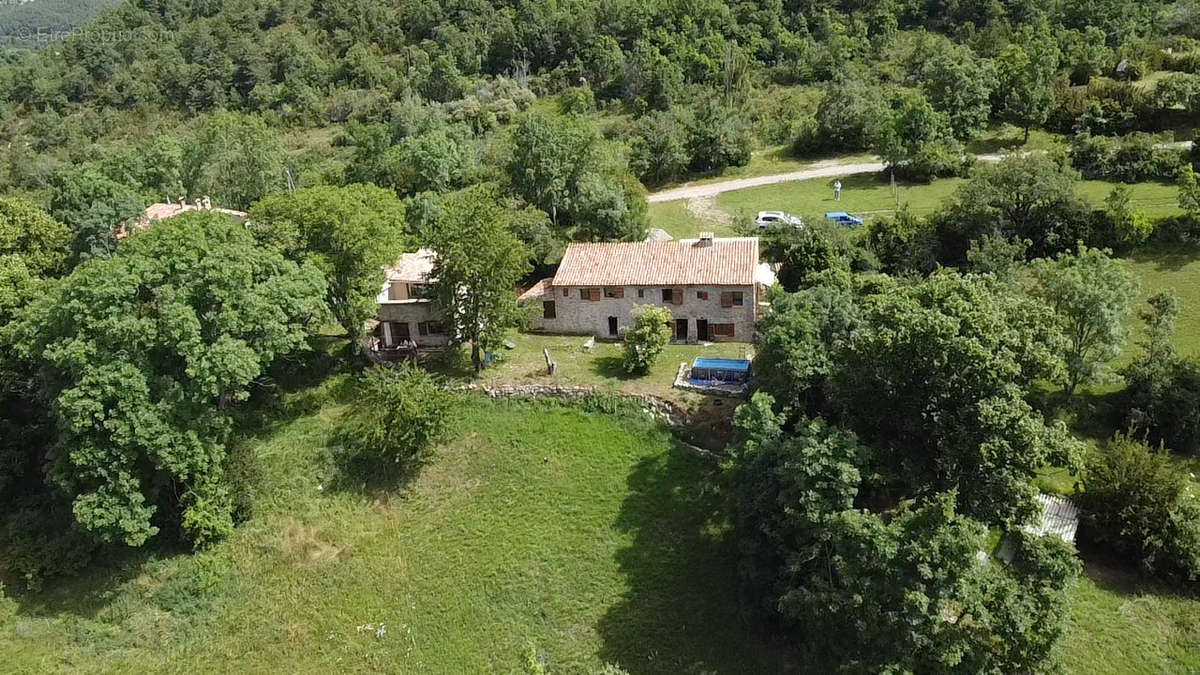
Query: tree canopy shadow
pixel 611 367
pixel 90 592
pixel 681 612
pixel 1117 574
pixel 1168 257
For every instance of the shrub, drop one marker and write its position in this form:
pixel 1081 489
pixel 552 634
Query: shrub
pixel 399 414
pixel 1162 398
pixel 1138 501
pixel 40 540
pixel 645 340
pixel 845 120
pixel 1132 158
pixel 718 138
pixel 658 150
pixel 577 100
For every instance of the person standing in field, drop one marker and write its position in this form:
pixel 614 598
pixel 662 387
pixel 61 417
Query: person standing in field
pixel 837 191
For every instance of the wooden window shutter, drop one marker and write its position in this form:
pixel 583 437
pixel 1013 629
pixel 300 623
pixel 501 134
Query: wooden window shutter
pixel 727 299
pixel 620 292
pixel 677 296
pixel 594 293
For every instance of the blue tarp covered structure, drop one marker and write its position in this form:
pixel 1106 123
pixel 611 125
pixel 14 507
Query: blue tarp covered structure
pixel 720 370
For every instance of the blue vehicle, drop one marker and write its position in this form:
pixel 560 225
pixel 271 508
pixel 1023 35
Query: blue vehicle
pixel 843 218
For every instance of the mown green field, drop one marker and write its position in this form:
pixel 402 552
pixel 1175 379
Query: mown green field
pixel 1175 269
pixel 867 196
pixel 590 539
pixel 601 366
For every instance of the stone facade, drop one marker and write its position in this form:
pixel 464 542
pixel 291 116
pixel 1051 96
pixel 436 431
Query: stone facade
pixel 405 312
pixel 416 320
pixel 713 310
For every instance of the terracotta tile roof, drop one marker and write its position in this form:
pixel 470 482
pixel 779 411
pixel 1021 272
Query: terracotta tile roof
pixel 539 290
pixel 412 266
pixel 160 211
pixel 724 262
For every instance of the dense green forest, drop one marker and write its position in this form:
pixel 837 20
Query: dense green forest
pixel 918 375
pixel 36 23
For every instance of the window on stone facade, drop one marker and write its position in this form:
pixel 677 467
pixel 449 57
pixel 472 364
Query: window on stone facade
pixel 666 295
pixel 591 294
pixel 548 311
pixel 641 292
pixel 614 292
pixel 732 299
pixel 721 329
pixel 431 328
pixel 701 295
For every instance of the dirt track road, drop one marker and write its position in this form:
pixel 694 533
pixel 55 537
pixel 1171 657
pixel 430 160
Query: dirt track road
pixel 826 169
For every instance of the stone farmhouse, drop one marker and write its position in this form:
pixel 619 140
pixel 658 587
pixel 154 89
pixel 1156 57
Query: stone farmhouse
pixel 713 288
pixel 407 318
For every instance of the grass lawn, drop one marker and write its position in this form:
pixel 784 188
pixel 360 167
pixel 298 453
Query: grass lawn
pixel 1122 625
pixel 868 196
pixel 599 367
pixel 1175 269
pixel 593 539
pixel 587 536
pixel 767 161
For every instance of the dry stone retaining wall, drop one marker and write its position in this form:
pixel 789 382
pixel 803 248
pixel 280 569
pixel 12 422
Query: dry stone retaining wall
pixel 656 408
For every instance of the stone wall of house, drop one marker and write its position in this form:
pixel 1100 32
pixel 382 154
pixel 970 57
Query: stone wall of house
pixel 412 313
pixel 577 316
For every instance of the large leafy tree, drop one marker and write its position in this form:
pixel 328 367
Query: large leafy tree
pixel 785 491
pixel 550 155
pixel 796 339
pixel 959 84
pixel 1139 502
pixel 904 588
pixel 562 165
pixel 1025 71
pixel 40 242
pixel 351 233
pixel 916 139
pixel 912 592
pixel 93 205
pixel 235 158
pixel 658 149
pixel 1092 296
pixel 144 353
pixel 936 375
pixel 1020 197
pixel 478 264
pixel 435 161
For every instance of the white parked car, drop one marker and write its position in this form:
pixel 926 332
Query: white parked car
pixel 767 219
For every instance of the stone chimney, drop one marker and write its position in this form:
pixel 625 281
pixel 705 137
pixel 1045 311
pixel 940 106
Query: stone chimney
pixel 705 240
